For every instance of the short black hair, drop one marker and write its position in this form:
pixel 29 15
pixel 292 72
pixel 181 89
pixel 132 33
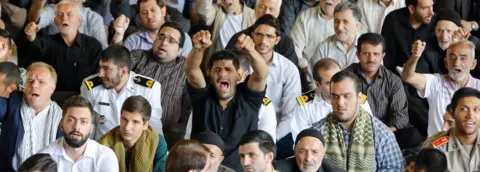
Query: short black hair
pixel 374 39
pixel 463 93
pixel 77 101
pixel 342 75
pixel 11 71
pixel 5 34
pixel 39 162
pixel 449 108
pixel 264 140
pixel 431 160
pixel 269 20
pixel 324 63
pixel 224 55
pixel 411 2
pixel 119 55
pixel 160 3
pixel 138 104
pixel 242 59
pixel 176 27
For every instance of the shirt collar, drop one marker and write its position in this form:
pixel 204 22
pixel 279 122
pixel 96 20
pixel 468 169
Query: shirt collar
pixel 391 3
pixel 275 61
pixel 339 44
pixel 129 85
pixel 89 150
pixel 449 84
pixel 144 34
pixel 78 41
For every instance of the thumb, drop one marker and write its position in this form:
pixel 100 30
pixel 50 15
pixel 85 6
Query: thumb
pixel 37 28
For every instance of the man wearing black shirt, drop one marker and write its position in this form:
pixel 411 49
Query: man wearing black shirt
pixel 73 55
pixel 469 10
pixel 220 105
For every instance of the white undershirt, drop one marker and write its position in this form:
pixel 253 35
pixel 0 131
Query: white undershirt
pixel 40 122
pixel 232 25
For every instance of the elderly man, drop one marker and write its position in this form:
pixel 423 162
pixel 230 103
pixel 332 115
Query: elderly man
pixel 73 54
pixel 91 25
pixel 30 119
pixel 438 89
pixel 75 151
pixel 216 146
pixel 309 153
pixel 354 139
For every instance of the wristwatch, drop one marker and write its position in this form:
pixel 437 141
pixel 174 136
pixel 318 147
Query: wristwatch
pixel 474 26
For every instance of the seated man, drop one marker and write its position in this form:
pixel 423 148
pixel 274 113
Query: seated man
pixel 6 52
pixel 188 155
pixel 238 105
pixel 316 105
pixel 448 121
pixel 152 16
pixel 309 152
pixel 137 146
pixel 354 139
pixel 92 22
pixel 374 12
pixel 461 144
pixel 216 146
pixel 9 77
pixel 40 162
pixel 438 89
pixel 113 84
pixel 29 119
pixel 429 159
pixel 257 151
pixel 75 151
pixel 73 54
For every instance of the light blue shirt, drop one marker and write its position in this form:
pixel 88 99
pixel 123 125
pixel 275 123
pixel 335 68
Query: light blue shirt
pixel 140 40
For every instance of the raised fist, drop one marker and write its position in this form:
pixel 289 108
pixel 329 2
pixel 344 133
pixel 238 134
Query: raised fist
pixel 245 43
pixel 201 40
pixel 417 48
pixel 460 35
pixel 121 24
pixel 31 31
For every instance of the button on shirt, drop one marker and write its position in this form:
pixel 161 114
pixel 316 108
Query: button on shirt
pixel 107 103
pixel 96 158
pixel 332 48
pixel 375 11
pixel 439 92
pixel 142 41
pixel 283 86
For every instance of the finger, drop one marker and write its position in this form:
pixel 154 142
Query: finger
pixel 241 38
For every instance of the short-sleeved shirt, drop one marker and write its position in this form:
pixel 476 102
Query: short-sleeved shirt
pixel 240 117
pixel 439 92
pixel 333 48
pixel 142 41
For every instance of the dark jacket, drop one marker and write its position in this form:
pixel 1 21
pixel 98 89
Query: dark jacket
pixel 290 165
pixel 468 9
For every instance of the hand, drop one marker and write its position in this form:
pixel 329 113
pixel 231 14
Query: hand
pixel 201 40
pixel 245 43
pixel 467 25
pixel 417 49
pixel 121 24
pixel 31 31
pixel 460 35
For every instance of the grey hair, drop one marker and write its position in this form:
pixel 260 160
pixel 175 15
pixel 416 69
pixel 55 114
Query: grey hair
pixel 63 2
pixel 462 42
pixel 347 5
pixel 52 71
pixel 278 5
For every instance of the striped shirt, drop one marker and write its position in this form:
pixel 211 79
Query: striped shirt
pixel 175 100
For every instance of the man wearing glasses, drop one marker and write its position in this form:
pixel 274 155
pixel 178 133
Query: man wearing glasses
pixel 164 63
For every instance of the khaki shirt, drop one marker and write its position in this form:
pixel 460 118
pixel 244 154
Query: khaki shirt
pixel 457 158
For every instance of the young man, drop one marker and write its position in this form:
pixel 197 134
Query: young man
pixel 9 78
pixel 75 151
pixel 137 146
pixel 257 152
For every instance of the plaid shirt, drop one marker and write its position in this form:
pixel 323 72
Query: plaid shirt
pixel 388 156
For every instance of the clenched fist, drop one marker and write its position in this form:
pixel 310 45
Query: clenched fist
pixel 202 40
pixel 245 43
pixel 460 35
pixel 417 48
pixel 121 24
pixel 31 31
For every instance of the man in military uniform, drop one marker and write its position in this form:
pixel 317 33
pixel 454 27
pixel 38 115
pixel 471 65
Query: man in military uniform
pixel 114 83
pixel 462 143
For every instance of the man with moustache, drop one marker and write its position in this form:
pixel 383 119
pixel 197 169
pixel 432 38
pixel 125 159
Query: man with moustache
pixel 75 151
pixel 29 118
pixel 216 146
pixel 113 84
pixel 461 145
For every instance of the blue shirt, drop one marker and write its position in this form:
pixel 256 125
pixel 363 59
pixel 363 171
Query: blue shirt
pixel 142 41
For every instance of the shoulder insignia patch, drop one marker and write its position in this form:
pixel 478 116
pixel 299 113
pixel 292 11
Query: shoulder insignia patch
pixel 92 83
pixel 440 141
pixel 364 99
pixel 143 81
pixel 306 97
pixel 266 101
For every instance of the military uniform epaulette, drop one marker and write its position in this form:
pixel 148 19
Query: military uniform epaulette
pixel 266 101
pixel 437 140
pixel 306 97
pixel 92 83
pixel 146 82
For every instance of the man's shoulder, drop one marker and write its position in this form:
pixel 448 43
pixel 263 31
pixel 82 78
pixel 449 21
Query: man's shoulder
pixel 91 82
pixel 143 81
pixel 381 130
pixel 308 14
pixel 286 165
pixel 306 98
pixel 90 41
pixel 289 64
pixel 52 147
pixel 222 168
pixel 101 151
pixel 438 140
pixel 395 14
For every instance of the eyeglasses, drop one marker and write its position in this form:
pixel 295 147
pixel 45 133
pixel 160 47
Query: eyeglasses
pixel 161 37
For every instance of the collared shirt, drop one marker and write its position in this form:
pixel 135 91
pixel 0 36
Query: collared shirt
pixel 240 117
pixel 289 12
pixel 283 86
pixel 439 91
pixel 386 96
pixel 332 48
pixel 107 103
pixel 375 11
pixel 142 41
pixel 388 156
pixel 96 158
pixel 176 106
pixel 310 29
pixel 267 118
pixel 73 63
pixel 92 23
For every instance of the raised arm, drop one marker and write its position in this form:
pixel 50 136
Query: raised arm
pixel 120 25
pixel 408 74
pixel 31 31
pixel 256 82
pixel 36 10
pixel 201 41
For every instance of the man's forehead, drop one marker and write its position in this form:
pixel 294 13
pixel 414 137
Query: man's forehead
pixel 445 24
pixel 170 32
pixel 469 101
pixel 462 50
pixel 38 72
pixel 66 7
pixel 268 2
pixel 347 14
pixel 265 28
pixel 423 3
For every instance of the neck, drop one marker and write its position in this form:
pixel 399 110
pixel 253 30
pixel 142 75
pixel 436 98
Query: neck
pixel 327 16
pixel 268 57
pixel 269 168
pixel 370 75
pixel 123 82
pixel 460 84
pixel 238 9
pixel 386 2
pixel 349 43
pixel 325 98
pixel 37 110
pixel 466 139
pixel 153 34
pixel 74 153
pixel 129 144
pixel 348 125
pixel 414 22
pixel 70 39
pixel 224 102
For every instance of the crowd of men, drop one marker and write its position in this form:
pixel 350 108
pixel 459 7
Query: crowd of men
pixel 240 85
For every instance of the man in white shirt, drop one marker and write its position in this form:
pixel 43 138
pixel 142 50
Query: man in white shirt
pixel 114 83
pixel 315 105
pixel 375 11
pixel 342 46
pixel 75 151
pixel 438 89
